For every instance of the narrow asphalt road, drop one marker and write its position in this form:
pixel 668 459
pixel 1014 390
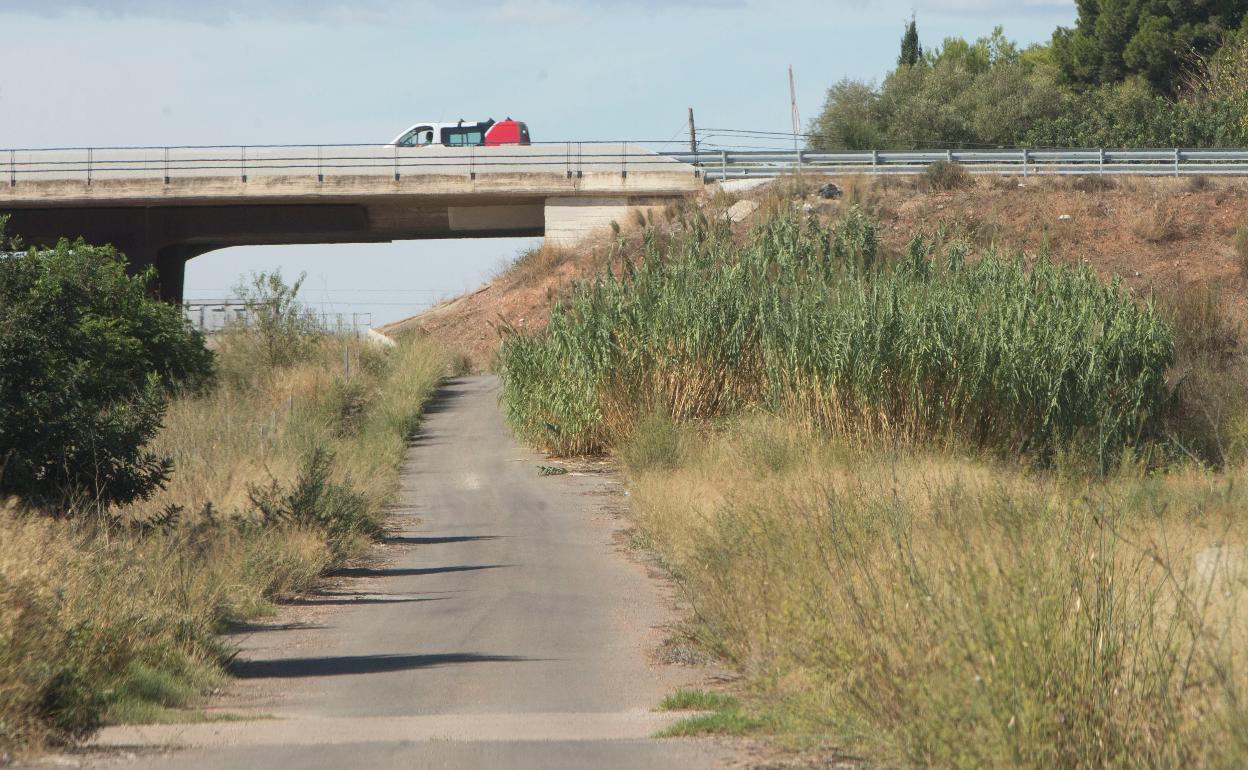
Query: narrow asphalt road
pixel 508 631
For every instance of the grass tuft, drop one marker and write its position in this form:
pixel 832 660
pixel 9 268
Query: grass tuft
pixel 699 700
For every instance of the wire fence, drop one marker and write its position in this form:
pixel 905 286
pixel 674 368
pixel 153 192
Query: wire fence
pixel 214 316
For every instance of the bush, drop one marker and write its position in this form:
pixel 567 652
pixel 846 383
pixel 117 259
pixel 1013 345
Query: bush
pixel 279 330
pixel 314 499
pixel 86 360
pixel 943 176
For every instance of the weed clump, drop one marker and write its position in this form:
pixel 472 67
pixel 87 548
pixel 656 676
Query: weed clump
pixel 946 176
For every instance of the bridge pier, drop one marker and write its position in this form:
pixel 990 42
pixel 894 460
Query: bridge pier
pixel 169 261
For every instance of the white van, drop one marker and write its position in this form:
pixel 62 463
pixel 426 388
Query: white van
pixel 461 134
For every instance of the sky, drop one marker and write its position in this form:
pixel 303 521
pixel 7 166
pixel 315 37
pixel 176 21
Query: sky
pixel 80 73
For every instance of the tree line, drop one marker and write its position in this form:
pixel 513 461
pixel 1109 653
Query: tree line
pixel 1130 73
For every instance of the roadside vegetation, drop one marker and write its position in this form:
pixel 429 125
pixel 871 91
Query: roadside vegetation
pixel 1135 73
pixel 272 464
pixel 942 506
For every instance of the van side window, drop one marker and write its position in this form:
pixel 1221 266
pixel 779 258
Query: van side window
pixel 461 137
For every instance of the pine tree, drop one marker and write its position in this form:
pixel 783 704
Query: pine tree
pixel 911 51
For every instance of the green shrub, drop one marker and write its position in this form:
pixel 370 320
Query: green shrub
pixel 86 360
pixel 279 330
pixel 315 499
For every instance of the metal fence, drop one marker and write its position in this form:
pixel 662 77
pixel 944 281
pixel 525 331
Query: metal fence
pixel 574 159
pixel 210 316
pixel 730 164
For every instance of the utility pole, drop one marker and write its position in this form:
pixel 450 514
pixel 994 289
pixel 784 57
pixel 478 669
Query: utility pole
pixel 797 120
pixel 693 133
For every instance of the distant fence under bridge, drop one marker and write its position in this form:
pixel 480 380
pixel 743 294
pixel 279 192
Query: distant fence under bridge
pixel 212 316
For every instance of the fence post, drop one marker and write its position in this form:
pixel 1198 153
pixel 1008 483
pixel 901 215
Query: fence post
pixel 624 160
pixel 472 161
pixel 568 160
pixel 320 170
pixel 166 165
pixel 12 168
pixel 396 162
pixel 580 159
pixel 242 154
pixel 90 155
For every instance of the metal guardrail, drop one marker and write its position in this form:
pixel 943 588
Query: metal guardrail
pixel 730 164
pixel 574 159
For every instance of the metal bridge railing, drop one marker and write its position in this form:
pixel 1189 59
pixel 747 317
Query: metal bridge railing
pixel 574 159
pixel 569 159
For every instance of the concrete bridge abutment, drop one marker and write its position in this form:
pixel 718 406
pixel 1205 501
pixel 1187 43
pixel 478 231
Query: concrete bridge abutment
pixel 568 220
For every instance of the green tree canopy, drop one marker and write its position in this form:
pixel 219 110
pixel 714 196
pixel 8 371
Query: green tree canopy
pixel 86 360
pixel 1115 39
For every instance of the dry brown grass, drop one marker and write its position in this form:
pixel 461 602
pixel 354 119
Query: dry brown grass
pixel 1156 223
pixel 87 609
pixel 930 610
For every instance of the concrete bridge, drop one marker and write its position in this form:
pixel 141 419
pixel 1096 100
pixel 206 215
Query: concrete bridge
pixel 164 206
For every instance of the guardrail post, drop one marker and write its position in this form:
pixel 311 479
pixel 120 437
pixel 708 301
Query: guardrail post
pixel 948 156
pixel 723 165
pixel 875 162
pixel 1101 163
pixel 1025 154
pixel 1176 161
pixel 166 165
pixel 90 156
pixel 242 162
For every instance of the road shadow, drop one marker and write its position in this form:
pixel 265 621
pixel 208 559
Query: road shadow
pixel 444 398
pixel 403 571
pixel 346 600
pixel 293 668
pixel 405 540
pixel 245 627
